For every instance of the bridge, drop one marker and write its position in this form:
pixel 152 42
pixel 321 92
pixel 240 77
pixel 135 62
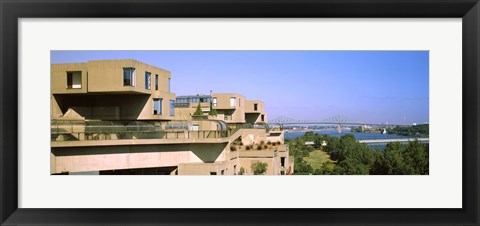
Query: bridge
pixel 393 140
pixel 338 120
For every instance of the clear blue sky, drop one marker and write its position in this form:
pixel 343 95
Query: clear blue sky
pixel 368 86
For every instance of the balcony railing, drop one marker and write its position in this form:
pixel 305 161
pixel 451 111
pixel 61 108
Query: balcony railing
pixel 182 105
pixel 128 135
pixel 107 130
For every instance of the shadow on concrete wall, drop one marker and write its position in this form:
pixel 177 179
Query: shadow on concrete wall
pixel 98 106
pixel 208 153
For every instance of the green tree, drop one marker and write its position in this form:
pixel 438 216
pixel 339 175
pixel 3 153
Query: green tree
pixel 395 162
pixel 353 158
pixel 352 166
pixel 259 168
pixel 199 110
pixel 328 168
pixel 212 111
pixel 378 166
pixel 416 154
pixel 302 167
pixel 242 171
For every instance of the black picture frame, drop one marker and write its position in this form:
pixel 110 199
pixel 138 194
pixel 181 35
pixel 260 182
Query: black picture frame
pixel 11 11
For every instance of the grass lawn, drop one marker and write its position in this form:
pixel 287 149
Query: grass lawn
pixel 317 158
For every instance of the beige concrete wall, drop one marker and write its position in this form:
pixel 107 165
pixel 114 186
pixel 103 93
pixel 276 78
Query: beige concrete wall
pixel 271 156
pixel 97 158
pixel 103 80
pixel 265 117
pixel 206 124
pixel 246 163
pixel 202 168
pixel 233 162
pixel 253 136
pixel 249 108
pixel 252 115
pixel 185 113
pixel 276 136
pixel 107 76
pixel 229 165
pixel 58 79
pixel 223 107
pixel 147 110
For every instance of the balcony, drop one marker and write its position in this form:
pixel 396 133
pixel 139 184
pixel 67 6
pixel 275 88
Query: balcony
pixel 191 105
pixel 182 105
pixel 83 133
pixel 129 135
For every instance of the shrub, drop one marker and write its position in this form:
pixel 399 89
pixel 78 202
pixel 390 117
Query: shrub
pixel 233 148
pixel 262 142
pixel 241 143
pixel 248 147
pixel 259 147
pixel 242 171
pixel 199 110
pixel 212 111
pixel 269 143
pixel 259 168
pixel 265 146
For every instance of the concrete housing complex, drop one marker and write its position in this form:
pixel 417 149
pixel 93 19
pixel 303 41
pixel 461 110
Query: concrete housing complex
pixel 120 117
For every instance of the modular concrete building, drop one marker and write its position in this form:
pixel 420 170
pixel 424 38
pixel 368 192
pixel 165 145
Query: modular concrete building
pixel 120 117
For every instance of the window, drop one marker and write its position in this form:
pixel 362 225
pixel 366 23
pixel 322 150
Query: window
pixel 255 107
pixel 232 101
pixel 157 106
pixel 239 101
pixel 214 101
pixel 263 118
pixel 129 76
pixel 147 80
pixel 169 85
pixel 74 80
pixel 172 107
pixel 195 127
pixel 156 82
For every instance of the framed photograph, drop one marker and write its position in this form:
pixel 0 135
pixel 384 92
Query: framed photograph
pixel 161 112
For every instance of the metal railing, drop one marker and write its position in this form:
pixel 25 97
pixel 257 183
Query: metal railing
pixel 79 131
pixel 129 135
pixel 182 105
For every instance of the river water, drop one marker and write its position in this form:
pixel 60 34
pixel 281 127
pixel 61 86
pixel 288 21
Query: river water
pixel 358 136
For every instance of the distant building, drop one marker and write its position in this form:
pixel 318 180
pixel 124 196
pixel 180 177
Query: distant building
pixel 120 117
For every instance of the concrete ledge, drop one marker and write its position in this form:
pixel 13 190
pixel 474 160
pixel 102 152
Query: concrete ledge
pixel 135 142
